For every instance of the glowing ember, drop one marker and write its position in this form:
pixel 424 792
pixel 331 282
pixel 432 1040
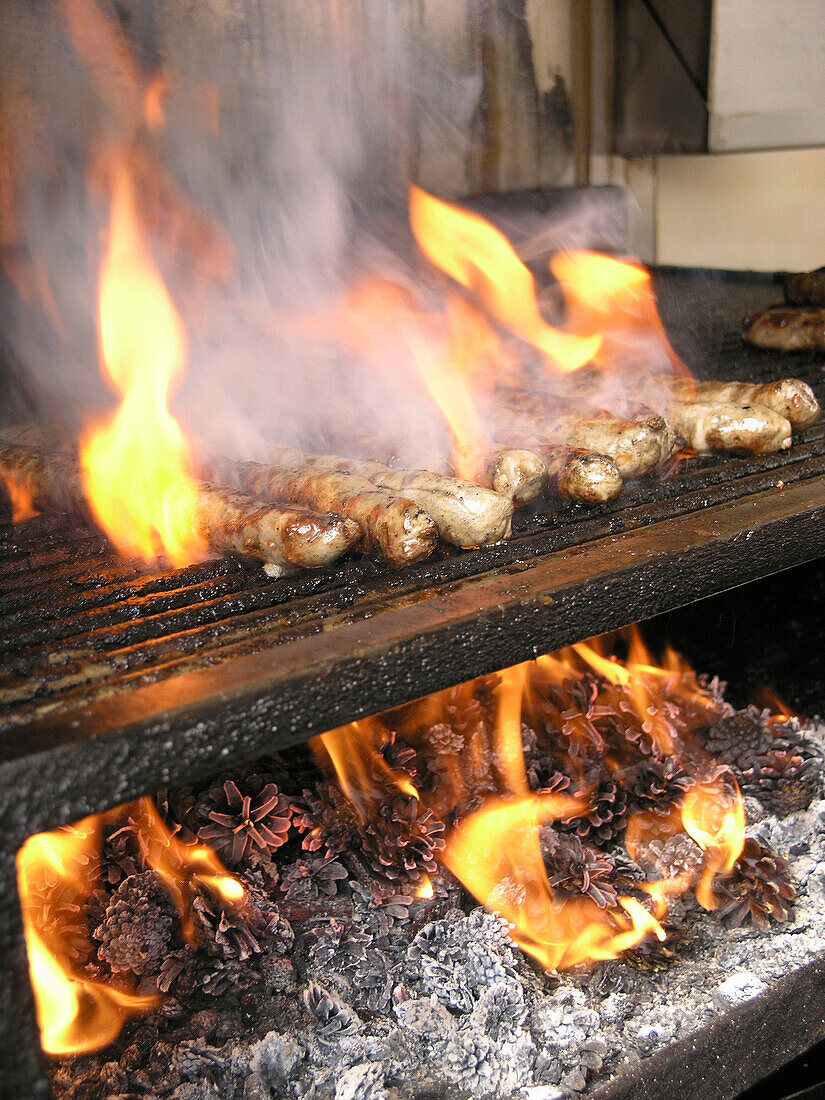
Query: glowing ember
pixel 75 1014
pixel 136 466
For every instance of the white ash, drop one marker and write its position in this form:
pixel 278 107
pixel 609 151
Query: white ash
pixel 467 1011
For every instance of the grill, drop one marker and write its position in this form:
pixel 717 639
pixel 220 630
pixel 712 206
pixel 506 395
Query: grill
pixel 115 683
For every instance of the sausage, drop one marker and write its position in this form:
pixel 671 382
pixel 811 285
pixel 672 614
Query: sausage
pixel 50 481
pixel 231 521
pixel 466 514
pixel 718 427
pixel 228 521
pixel 789 397
pixel 391 525
pixel 581 476
pixel 517 474
pixel 806 288
pixel 637 446
pixel 784 328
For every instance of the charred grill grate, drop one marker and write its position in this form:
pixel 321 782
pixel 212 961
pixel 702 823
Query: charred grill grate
pixel 79 622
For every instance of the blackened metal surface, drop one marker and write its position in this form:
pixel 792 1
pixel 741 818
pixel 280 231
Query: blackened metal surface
pixel 738 1049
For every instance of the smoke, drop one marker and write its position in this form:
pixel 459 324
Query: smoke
pixel 276 183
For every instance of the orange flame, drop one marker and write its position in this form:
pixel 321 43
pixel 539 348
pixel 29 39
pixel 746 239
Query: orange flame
pixel 496 854
pixel 77 1015
pixel 136 466
pixel 614 298
pixel 445 371
pixel 714 816
pixel 481 259
pixel 22 505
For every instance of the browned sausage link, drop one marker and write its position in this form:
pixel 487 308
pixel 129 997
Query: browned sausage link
pixel 51 481
pixel 581 476
pixel 788 397
pixel 35 433
pixel 637 446
pixel 806 288
pixel 466 514
pixel 392 525
pixel 707 427
pixel 230 521
pixel 786 329
pixel 517 474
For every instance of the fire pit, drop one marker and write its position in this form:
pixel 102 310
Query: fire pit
pixel 357 962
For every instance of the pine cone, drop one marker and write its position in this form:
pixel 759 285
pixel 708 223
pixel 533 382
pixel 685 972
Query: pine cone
pixel 308 880
pixel 177 810
pixel 58 914
pixel 652 953
pixel 188 970
pixel 577 870
pixel 758 888
pixel 331 1018
pixel 404 840
pixel 236 932
pixel 656 785
pixel 136 932
pixel 607 814
pixel 244 816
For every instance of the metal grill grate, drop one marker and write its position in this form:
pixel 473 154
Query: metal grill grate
pixel 78 621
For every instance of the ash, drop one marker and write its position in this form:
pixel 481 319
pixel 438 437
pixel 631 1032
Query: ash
pixel 344 984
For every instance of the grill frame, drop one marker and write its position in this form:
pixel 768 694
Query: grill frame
pixel 337 646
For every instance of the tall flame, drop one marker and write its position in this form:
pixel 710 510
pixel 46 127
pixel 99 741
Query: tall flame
pixel 481 259
pixel 75 1014
pixel 136 466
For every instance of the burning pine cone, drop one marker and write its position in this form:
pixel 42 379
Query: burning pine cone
pixel 607 813
pixel 576 869
pixel 656 785
pixel 758 888
pixel 245 815
pixel 136 932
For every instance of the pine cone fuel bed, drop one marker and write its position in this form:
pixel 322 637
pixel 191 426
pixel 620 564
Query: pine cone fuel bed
pixel 358 965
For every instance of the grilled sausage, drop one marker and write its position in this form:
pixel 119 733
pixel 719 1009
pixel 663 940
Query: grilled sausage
pixel 784 328
pixel 717 427
pixel 230 521
pixel 637 446
pixel 51 481
pixel 581 476
pixel 789 397
pixel 517 474
pixel 806 288
pixel 391 524
pixel 466 514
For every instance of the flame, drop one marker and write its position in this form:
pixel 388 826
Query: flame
pixel 714 816
pixel 22 505
pixel 77 1015
pixel 136 466
pixel 361 769
pixel 496 854
pixel 425 888
pixel 481 259
pixel 445 369
pixel 614 298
